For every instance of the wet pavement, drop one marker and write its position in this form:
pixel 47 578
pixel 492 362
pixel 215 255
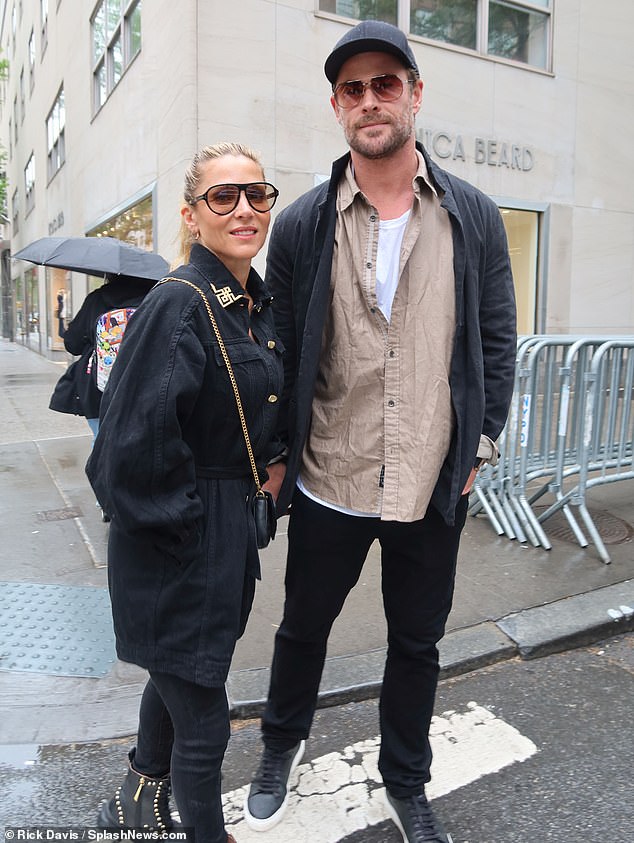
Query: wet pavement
pixel 59 683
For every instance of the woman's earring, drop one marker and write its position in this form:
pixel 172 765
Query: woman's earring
pixel 197 235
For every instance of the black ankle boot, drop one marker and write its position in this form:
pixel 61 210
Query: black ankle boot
pixel 140 802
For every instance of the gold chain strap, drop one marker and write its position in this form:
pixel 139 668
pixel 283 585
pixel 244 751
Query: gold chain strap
pixel 232 377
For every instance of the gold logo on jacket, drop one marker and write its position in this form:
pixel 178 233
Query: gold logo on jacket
pixel 225 295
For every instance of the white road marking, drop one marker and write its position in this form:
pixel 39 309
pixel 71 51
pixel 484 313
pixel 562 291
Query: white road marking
pixel 621 612
pixel 342 792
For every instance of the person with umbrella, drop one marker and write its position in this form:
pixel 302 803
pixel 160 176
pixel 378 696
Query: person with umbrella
pixel 173 467
pixel 77 390
pixel 129 272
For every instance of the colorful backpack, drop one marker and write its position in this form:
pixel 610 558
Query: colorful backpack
pixel 109 333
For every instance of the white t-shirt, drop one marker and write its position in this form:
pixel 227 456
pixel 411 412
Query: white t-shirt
pixel 388 260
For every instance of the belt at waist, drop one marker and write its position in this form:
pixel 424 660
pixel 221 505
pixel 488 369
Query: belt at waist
pixel 223 472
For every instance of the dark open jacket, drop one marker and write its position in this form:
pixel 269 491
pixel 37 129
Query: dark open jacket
pixel 171 467
pixel 482 369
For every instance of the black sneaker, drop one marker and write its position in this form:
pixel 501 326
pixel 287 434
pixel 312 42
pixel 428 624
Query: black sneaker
pixel 268 795
pixel 415 819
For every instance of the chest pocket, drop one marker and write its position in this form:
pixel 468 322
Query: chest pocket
pixel 240 352
pixel 255 368
pixel 246 350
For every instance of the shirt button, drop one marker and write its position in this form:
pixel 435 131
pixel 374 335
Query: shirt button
pixel 369 265
pixel 372 218
pixel 272 399
pixel 390 403
pixel 391 352
pixel 373 310
pixel 271 344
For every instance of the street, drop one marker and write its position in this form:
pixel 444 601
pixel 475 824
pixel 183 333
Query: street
pixel 537 749
pixel 524 750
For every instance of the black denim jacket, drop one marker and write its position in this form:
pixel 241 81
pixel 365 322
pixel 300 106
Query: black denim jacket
pixel 169 416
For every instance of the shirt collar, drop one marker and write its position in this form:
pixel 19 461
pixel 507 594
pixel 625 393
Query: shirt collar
pixel 422 177
pixel 349 189
pixel 219 276
pixel 258 290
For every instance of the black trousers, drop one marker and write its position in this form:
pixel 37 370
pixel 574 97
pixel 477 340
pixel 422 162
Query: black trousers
pixel 326 553
pixel 184 728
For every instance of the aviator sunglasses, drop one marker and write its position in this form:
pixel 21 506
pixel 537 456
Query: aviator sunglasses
pixel 386 88
pixel 223 198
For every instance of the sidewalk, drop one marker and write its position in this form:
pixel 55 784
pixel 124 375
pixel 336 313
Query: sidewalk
pixel 59 678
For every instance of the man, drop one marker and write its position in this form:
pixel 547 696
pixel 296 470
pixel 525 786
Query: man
pixel 395 304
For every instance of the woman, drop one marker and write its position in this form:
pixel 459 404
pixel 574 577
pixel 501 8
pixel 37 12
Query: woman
pixel 170 465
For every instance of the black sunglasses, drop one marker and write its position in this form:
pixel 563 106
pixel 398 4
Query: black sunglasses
pixel 223 198
pixel 386 88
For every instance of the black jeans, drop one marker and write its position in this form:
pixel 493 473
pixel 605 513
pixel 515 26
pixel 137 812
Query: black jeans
pixel 184 728
pixel 326 553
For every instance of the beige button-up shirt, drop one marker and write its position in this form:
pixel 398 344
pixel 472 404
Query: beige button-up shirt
pixel 382 418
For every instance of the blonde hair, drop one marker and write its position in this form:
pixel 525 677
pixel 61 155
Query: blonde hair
pixel 193 175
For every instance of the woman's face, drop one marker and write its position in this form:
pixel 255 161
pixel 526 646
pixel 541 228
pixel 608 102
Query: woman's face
pixel 235 238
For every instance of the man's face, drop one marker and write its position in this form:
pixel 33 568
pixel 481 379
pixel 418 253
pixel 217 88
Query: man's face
pixel 373 128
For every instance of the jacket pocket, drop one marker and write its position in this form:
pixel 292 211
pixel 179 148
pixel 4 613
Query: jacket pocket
pixel 183 548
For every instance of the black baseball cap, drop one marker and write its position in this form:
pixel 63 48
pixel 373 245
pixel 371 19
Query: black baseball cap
pixel 366 37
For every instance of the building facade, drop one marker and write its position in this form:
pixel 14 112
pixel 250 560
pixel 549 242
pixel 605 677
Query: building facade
pixel 106 102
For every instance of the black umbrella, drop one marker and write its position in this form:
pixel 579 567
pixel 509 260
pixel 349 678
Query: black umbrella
pixel 94 256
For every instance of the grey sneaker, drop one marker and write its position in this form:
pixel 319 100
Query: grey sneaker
pixel 268 795
pixel 415 819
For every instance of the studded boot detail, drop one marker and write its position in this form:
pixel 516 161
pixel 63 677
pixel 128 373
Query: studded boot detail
pixel 140 802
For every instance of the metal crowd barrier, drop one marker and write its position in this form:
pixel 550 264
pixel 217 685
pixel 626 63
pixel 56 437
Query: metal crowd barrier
pixel 570 427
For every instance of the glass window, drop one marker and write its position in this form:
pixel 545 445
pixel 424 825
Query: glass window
pixel 20 320
pixel 55 125
pixel 44 13
pixel 362 9
pixel 116 40
pixel 31 59
pixel 114 16
pixel 15 213
pixel 134 225
pixel 29 184
pixel 134 30
pixel 22 97
pixel 116 61
pixel 101 87
pixel 452 21
pixel 517 30
pixel 522 231
pixel 32 307
pixel 99 33
pixel 518 34
pixel 58 295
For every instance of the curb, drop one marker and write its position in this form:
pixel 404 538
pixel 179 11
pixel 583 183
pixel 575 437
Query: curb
pixel 571 622
pixel 53 709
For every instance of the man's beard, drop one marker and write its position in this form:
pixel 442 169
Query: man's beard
pixel 369 147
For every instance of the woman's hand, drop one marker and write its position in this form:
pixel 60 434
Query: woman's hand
pixel 276 472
